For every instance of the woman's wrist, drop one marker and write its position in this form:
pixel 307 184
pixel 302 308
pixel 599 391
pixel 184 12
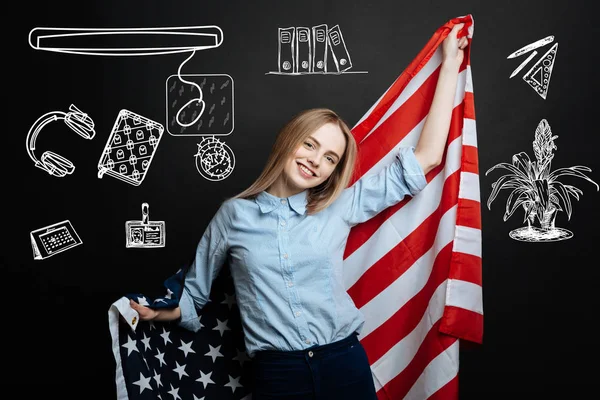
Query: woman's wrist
pixel 450 64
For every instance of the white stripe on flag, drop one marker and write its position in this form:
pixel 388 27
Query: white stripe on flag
pixel 465 295
pixel 467 240
pixel 469 84
pixel 459 95
pixel 469 186
pixel 469 132
pixel 441 370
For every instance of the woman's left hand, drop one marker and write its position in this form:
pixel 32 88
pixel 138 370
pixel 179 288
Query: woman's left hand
pixel 453 48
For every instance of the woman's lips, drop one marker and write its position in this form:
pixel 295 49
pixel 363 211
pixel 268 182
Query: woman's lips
pixel 304 174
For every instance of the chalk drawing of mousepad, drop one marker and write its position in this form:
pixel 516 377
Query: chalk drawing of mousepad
pixel 187 116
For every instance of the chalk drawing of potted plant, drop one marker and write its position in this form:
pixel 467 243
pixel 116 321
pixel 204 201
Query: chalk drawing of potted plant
pixel 538 190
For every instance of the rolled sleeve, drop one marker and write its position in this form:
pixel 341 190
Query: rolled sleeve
pixel 189 317
pixel 411 170
pixel 375 192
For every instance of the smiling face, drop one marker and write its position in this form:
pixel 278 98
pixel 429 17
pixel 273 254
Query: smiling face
pixel 315 159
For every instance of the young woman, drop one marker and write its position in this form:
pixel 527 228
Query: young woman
pixel 284 239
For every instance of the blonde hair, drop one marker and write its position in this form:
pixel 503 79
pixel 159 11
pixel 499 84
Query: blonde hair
pixel 287 141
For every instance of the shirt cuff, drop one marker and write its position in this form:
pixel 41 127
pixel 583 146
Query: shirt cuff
pixel 189 317
pixel 130 316
pixel 411 169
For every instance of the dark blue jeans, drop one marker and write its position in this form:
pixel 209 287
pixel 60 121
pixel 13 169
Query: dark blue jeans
pixel 338 370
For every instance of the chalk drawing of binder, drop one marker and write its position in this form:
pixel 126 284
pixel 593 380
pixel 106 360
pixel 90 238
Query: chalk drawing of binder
pixel 341 57
pixel 303 51
pixel 286 57
pixel 319 48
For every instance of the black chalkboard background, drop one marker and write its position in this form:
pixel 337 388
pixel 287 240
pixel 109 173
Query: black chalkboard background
pixel 539 298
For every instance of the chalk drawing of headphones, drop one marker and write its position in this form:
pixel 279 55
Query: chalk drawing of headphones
pixel 51 162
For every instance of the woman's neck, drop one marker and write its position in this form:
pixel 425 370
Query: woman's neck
pixel 282 190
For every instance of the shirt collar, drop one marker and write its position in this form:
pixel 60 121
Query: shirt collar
pixel 267 202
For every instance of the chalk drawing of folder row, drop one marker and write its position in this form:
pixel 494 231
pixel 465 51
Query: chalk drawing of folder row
pixel 125 41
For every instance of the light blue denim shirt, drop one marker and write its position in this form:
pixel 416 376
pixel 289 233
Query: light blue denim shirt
pixel 286 265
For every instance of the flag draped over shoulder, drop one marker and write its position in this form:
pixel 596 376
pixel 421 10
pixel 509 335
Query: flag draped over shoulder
pixel 414 270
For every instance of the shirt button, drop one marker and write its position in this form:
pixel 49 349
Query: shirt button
pixel 285 255
pixel 282 223
pixel 307 341
pixel 290 284
pixel 297 314
pixel 310 353
pixel 282 201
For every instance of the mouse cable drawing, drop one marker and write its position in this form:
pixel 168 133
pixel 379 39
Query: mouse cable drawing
pixel 199 99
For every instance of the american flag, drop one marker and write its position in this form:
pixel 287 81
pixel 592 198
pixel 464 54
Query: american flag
pixel 160 360
pixel 414 270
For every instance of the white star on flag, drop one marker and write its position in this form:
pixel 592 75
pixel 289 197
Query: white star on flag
pixel 146 341
pixel 205 379
pixel 229 300
pixel 221 326
pixel 242 356
pixel 142 301
pixel 143 383
pixel 161 357
pixel 131 345
pixel 175 393
pixel 234 383
pixel 157 379
pixel 165 336
pixel 186 348
pixel 180 370
pixel 214 352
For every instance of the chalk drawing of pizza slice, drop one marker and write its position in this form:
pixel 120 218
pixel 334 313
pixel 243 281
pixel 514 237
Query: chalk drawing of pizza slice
pixel 538 77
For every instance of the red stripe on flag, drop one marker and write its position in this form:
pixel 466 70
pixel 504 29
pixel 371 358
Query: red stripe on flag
pixel 470 159
pixel 469 101
pixel 462 323
pixel 469 213
pixel 466 267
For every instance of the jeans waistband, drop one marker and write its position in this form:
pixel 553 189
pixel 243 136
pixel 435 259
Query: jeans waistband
pixel 317 350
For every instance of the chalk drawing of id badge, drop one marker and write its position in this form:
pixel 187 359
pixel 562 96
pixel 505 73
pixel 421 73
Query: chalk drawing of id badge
pixel 145 233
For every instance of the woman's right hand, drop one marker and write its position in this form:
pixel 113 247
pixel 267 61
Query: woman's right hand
pixel 145 313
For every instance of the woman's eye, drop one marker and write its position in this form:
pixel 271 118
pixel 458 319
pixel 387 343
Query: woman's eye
pixel 331 160
pixel 308 144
